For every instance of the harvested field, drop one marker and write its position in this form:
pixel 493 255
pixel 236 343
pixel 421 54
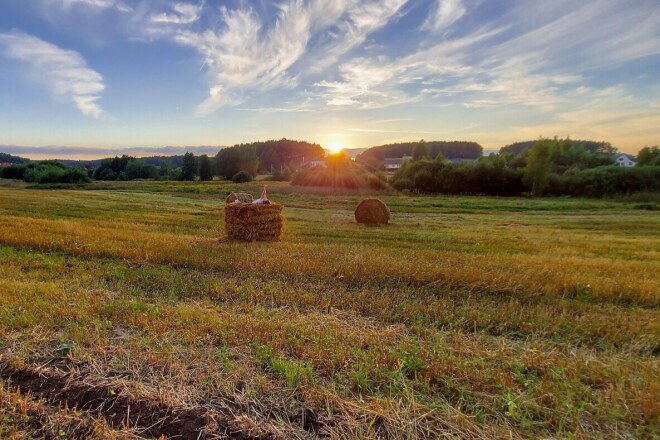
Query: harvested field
pixel 124 316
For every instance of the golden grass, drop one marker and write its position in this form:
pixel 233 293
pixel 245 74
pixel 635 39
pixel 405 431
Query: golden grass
pixel 484 323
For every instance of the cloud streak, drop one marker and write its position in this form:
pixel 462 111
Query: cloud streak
pixel 182 13
pixel 447 12
pixel 249 55
pixel 64 73
pixel 99 4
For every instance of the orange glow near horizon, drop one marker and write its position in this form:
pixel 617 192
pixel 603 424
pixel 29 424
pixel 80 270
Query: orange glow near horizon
pixel 335 147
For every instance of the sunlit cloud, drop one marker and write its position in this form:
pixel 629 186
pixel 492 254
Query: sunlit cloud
pixel 447 12
pixel 182 13
pixel 64 73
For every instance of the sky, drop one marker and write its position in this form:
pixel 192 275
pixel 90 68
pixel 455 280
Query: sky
pixel 81 78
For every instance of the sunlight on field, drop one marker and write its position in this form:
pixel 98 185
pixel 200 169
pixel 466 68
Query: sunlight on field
pixel 466 317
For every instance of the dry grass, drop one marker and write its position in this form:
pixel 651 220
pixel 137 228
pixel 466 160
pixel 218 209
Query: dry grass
pixel 465 318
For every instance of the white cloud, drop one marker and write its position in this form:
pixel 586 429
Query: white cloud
pixel 64 73
pixel 585 36
pixel 447 12
pixel 184 13
pixel 248 55
pixel 360 19
pixel 99 4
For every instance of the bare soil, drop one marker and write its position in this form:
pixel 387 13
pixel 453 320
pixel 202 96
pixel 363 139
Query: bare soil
pixel 152 419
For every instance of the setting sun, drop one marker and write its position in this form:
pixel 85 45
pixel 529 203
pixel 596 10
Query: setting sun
pixel 335 147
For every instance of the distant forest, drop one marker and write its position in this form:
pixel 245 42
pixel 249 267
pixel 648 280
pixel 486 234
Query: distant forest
pixel 449 149
pixel 8 158
pixel 590 146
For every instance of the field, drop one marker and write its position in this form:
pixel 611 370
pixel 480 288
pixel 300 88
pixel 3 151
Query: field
pixel 126 314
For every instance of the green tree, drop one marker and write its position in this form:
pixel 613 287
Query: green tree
pixel 231 160
pixel 164 170
pixel 421 151
pixel 648 156
pixel 189 170
pixel 205 168
pixel 539 163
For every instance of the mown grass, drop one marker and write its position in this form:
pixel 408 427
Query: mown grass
pixel 467 317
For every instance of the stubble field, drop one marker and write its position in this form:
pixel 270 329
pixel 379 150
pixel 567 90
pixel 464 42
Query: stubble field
pixel 126 314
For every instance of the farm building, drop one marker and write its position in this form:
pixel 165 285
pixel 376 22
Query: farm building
pixel 624 160
pixel 394 163
pixel 313 164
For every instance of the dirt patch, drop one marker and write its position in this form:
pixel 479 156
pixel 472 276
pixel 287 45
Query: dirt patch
pixel 149 418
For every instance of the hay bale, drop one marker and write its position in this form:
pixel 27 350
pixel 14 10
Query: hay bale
pixel 372 212
pixel 241 197
pixel 248 222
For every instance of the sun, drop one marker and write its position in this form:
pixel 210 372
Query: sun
pixel 335 147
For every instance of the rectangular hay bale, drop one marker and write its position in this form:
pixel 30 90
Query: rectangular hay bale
pixel 248 222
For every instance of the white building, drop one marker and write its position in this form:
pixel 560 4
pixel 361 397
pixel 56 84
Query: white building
pixel 394 163
pixel 624 160
pixel 313 164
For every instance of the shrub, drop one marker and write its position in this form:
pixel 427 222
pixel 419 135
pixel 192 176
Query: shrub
pixel 53 172
pixel 402 184
pixel 377 181
pixel 242 177
pixel 281 176
pixel 13 172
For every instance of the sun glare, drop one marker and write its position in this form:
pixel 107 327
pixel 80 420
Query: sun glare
pixel 335 147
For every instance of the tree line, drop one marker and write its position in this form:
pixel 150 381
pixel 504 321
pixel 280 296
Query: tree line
pixel 544 167
pixel 547 167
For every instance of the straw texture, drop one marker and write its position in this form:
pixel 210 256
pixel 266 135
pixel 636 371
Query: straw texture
pixel 248 222
pixel 372 212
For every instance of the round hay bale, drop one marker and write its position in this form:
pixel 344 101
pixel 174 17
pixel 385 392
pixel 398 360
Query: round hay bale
pixel 241 197
pixel 372 212
pixel 248 222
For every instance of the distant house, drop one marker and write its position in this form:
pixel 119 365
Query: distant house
pixel 624 160
pixel 394 163
pixel 5 164
pixel 313 164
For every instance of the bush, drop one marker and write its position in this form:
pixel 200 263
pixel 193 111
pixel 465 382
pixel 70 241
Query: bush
pixel 52 172
pixel 13 172
pixel 242 177
pixel 612 180
pixel 486 177
pixel 377 181
pixel 402 184
pixel 281 176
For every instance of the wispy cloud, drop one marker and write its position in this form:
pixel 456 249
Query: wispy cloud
pixel 64 73
pixel 248 54
pixel 99 4
pixel 359 20
pixel 447 12
pixel 182 13
pixel 242 57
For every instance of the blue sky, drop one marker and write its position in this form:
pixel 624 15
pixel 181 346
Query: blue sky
pixel 147 73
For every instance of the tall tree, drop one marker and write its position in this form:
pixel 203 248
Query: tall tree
pixel 189 170
pixel 231 160
pixel 538 167
pixel 421 151
pixel 205 168
pixel 648 156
